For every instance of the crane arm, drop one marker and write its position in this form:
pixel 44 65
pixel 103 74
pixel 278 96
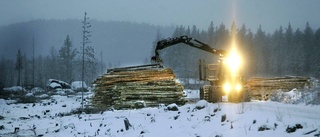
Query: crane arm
pixel 188 41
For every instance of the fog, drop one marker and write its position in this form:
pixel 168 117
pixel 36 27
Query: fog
pixel 268 13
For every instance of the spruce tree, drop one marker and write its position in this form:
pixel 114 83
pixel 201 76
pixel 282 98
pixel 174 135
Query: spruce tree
pixel 67 55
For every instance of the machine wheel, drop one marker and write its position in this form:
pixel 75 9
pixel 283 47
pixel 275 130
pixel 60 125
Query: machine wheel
pixel 214 95
pixel 246 95
pixel 201 93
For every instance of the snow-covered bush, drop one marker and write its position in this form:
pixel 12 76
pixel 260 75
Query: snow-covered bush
pixel 308 96
pixel 173 107
pixel 291 97
pixel 19 94
pixel 43 96
pixel 12 92
pixel 139 104
pixel 77 86
pixel 201 104
pixel 276 96
pixel 10 101
pixel 54 84
pixel 311 96
pixel 64 92
pixel 29 94
pixel 37 90
pixel 15 89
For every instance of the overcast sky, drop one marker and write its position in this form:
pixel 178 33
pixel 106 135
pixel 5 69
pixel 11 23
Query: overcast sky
pixel 268 13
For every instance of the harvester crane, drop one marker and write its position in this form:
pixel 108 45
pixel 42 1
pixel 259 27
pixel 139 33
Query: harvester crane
pixel 188 41
pixel 225 80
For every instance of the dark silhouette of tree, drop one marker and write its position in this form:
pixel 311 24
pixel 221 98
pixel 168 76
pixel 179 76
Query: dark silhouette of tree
pixel 317 52
pixel 91 64
pixel 188 31
pixel 261 52
pixel 26 72
pixel 52 63
pixel 289 50
pixel 19 66
pixel 244 42
pixel 234 30
pixel 211 38
pixel 308 43
pixel 222 36
pixel 281 54
pixel 67 55
pixel 3 73
pixel 249 64
pixel 195 32
pixel 299 53
pixel 87 52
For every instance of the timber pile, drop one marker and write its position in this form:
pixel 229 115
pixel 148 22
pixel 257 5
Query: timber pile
pixel 124 87
pixel 266 86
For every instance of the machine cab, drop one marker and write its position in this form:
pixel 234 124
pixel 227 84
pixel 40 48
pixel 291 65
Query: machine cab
pixel 225 80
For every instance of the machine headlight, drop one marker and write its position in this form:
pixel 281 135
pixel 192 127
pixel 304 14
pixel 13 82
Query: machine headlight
pixel 238 87
pixel 227 87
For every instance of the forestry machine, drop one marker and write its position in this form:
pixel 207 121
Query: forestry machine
pixel 224 77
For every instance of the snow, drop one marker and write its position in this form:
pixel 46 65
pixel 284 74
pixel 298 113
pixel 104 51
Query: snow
pixel 29 94
pixel 76 85
pixel 307 96
pixel 201 104
pixel 2 101
pixel 140 103
pixel 43 96
pixel 59 84
pixel 37 90
pixel 192 93
pixel 291 97
pixel 55 85
pixel 14 89
pixel 173 107
pixel 189 81
pixel 242 119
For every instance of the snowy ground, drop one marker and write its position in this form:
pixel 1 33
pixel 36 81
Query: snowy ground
pixel 243 119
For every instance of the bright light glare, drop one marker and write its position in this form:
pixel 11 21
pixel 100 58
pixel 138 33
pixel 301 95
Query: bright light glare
pixel 238 87
pixel 234 61
pixel 227 87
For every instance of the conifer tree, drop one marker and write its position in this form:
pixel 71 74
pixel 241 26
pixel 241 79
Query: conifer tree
pixel 67 55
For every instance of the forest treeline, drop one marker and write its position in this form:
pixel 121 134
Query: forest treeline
pixel 286 51
pixel 62 64
pixel 114 43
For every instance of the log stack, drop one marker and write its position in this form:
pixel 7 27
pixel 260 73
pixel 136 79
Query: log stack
pixel 124 87
pixel 261 88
